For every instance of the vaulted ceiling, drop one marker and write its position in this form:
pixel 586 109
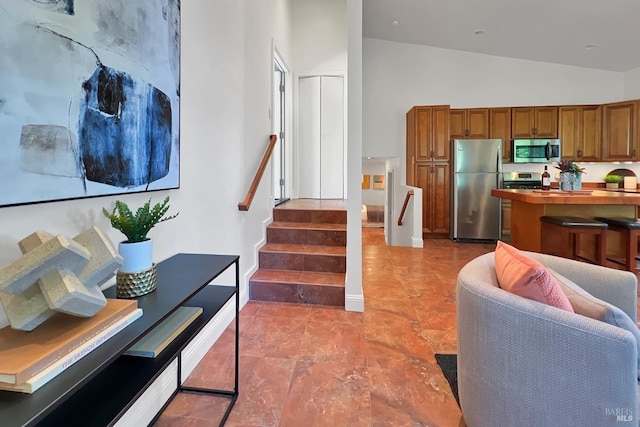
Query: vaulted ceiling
pixel 601 34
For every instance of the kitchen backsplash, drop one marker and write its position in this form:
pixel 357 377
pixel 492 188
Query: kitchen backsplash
pixel 594 172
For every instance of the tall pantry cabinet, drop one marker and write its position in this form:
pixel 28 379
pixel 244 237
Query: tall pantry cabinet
pixel 428 165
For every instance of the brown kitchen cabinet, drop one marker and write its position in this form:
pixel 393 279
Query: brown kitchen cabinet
pixel 427 136
pixel 434 180
pixel 500 128
pixel 534 122
pixel 470 123
pixel 580 132
pixel 620 131
pixel 506 219
pixel 428 143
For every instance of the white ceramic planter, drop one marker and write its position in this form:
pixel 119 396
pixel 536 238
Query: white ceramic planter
pixel 137 256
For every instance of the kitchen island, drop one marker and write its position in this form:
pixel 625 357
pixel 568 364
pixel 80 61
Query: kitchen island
pixel 527 206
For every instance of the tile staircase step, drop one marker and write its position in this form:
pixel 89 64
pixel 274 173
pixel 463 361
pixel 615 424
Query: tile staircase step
pixel 300 287
pixel 304 259
pixel 313 216
pixel 307 233
pixel 319 258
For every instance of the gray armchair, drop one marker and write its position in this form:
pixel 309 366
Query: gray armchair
pixel 523 363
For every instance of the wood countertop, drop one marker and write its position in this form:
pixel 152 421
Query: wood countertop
pixel 556 197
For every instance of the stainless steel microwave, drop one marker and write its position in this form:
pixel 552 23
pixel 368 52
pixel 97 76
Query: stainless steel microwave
pixel 536 150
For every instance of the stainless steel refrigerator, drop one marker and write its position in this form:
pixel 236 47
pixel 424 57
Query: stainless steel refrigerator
pixel 476 169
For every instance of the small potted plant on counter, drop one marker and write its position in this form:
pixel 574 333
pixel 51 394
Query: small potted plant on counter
pixel 137 275
pixel 613 181
pixel 135 227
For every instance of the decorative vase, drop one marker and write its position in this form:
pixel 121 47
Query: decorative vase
pixel 131 285
pixel 612 185
pixel 570 181
pixel 137 276
pixel 137 256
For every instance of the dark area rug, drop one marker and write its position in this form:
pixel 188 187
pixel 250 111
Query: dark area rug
pixel 449 365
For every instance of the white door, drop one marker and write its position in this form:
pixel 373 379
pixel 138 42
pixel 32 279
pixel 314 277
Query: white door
pixel 279 157
pixel 321 130
pixel 309 131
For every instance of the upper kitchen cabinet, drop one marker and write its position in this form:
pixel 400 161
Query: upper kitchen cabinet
pixel 534 122
pixel 469 123
pixel 619 131
pixel 580 132
pixel 427 136
pixel 500 128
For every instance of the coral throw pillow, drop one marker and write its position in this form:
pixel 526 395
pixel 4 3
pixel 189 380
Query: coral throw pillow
pixel 524 276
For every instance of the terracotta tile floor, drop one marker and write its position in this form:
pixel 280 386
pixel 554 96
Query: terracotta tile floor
pixel 321 366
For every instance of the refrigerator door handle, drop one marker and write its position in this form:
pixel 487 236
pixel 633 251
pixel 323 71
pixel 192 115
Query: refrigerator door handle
pixel 454 211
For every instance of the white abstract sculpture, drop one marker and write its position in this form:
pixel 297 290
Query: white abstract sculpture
pixel 57 274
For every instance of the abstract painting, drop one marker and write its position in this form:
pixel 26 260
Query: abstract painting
pixel 89 98
pixel 378 182
pixel 366 182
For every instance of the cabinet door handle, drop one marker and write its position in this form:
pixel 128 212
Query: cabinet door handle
pixel 413 160
pixel 433 154
pixel 579 153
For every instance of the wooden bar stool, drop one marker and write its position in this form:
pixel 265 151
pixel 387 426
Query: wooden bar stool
pixel 566 232
pixel 629 229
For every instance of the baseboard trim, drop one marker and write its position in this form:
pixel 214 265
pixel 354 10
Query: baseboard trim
pixel 417 242
pixel 354 303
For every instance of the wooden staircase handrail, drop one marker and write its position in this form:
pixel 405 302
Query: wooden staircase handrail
pixel 244 205
pixel 404 206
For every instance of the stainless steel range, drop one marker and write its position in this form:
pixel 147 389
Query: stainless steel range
pixel 522 180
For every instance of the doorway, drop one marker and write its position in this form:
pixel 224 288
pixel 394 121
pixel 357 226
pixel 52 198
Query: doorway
pixel 279 123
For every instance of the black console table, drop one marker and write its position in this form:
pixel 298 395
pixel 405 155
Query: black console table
pixel 99 388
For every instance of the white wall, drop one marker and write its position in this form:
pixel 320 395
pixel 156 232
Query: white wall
pixel 225 100
pixel 319 46
pixel 410 232
pixel 398 76
pixel 320 42
pixel 632 84
pixel 354 298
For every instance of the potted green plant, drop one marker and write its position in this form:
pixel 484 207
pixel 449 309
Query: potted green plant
pixel 613 181
pixel 136 251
